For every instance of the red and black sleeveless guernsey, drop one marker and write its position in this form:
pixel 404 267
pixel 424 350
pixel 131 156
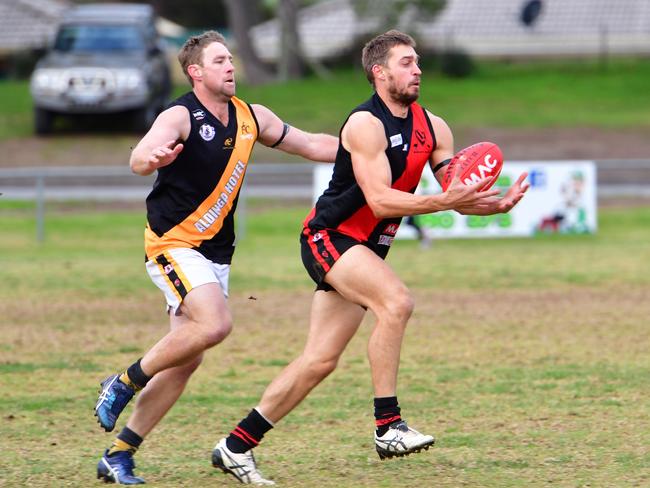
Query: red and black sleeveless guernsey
pixel 343 207
pixel 193 199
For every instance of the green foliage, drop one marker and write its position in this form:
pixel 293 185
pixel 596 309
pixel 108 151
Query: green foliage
pixel 188 13
pixel 21 63
pixel 560 94
pixel 390 13
pixel 456 63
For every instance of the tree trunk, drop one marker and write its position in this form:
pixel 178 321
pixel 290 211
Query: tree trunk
pixel 290 60
pixel 241 14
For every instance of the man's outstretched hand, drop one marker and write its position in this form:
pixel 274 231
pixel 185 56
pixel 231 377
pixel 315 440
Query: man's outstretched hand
pixel 495 204
pixel 164 155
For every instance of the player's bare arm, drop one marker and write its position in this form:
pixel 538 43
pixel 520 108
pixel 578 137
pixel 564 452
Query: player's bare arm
pixel 316 147
pixel 160 147
pixel 444 150
pixel 364 137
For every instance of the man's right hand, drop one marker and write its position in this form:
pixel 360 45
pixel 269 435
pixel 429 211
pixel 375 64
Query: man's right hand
pixel 164 155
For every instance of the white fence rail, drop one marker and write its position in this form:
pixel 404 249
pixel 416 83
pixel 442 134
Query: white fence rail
pixel 112 183
pixel 616 178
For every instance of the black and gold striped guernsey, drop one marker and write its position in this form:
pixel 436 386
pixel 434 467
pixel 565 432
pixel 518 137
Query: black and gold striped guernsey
pixel 193 200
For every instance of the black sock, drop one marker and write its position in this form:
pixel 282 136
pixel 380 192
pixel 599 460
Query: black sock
pixel 387 411
pixel 137 376
pixel 130 437
pixel 248 433
pixel 127 440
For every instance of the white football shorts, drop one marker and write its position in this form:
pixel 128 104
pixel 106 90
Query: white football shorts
pixel 177 271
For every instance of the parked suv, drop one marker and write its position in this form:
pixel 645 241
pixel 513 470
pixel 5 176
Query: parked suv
pixel 106 58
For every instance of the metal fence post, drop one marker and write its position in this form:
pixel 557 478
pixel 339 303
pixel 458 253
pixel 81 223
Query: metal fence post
pixel 40 207
pixel 240 215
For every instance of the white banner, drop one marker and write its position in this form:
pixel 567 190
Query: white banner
pixel 562 198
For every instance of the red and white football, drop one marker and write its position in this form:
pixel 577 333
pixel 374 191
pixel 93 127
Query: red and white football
pixel 475 163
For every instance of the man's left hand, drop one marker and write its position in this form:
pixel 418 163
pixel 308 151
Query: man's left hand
pixel 500 204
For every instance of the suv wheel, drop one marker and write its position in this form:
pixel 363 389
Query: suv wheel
pixel 43 121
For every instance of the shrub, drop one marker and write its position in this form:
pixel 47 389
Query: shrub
pixel 456 63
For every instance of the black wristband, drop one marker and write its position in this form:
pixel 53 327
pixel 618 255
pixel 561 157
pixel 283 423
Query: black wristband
pixel 441 165
pixel 285 131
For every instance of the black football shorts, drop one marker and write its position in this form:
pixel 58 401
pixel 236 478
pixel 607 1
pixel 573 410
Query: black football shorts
pixel 320 249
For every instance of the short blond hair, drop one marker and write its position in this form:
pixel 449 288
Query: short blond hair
pixel 192 50
pixel 376 50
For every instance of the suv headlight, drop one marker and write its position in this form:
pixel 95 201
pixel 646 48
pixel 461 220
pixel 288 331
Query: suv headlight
pixel 129 80
pixel 49 80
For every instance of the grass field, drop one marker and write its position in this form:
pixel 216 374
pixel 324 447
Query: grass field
pixel 528 359
pixel 563 94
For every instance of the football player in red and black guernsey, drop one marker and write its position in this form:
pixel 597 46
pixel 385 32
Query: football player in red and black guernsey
pixel 384 145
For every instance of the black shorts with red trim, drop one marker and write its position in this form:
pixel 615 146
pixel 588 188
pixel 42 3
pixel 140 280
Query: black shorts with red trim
pixel 320 249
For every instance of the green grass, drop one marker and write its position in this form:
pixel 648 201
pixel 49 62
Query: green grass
pixel 16 118
pixel 528 358
pixel 616 255
pixel 561 93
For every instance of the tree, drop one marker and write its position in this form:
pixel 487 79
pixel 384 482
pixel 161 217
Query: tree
pixel 188 13
pixel 290 60
pixel 397 14
pixel 242 15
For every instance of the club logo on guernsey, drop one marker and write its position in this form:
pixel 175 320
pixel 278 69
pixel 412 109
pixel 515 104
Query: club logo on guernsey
pixel 421 145
pixel 245 131
pixel 214 212
pixel 207 132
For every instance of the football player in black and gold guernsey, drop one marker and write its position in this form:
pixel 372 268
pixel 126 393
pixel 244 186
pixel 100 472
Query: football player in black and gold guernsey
pixel 200 146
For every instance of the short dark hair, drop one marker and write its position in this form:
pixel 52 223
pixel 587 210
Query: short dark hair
pixel 376 50
pixel 192 50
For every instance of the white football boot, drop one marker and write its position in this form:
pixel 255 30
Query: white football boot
pixel 400 440
pixel 241 466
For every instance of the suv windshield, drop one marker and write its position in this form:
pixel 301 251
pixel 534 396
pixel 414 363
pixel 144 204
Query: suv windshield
pixel 76 38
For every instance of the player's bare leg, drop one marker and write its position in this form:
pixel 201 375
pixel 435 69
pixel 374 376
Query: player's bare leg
pixel 207 322
pixel 334 321
pixel 159 397
pixel 362 277
pixel 162 391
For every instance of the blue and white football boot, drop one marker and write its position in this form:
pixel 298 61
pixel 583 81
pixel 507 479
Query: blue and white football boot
pixel 118 468
pixel 112 399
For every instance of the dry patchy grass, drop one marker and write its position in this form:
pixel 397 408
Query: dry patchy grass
pixel 521 389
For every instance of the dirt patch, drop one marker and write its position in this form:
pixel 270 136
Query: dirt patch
pixel 68 150
pixel 516 326
pixel 517 144
pixel 562 143
pixel 527 388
